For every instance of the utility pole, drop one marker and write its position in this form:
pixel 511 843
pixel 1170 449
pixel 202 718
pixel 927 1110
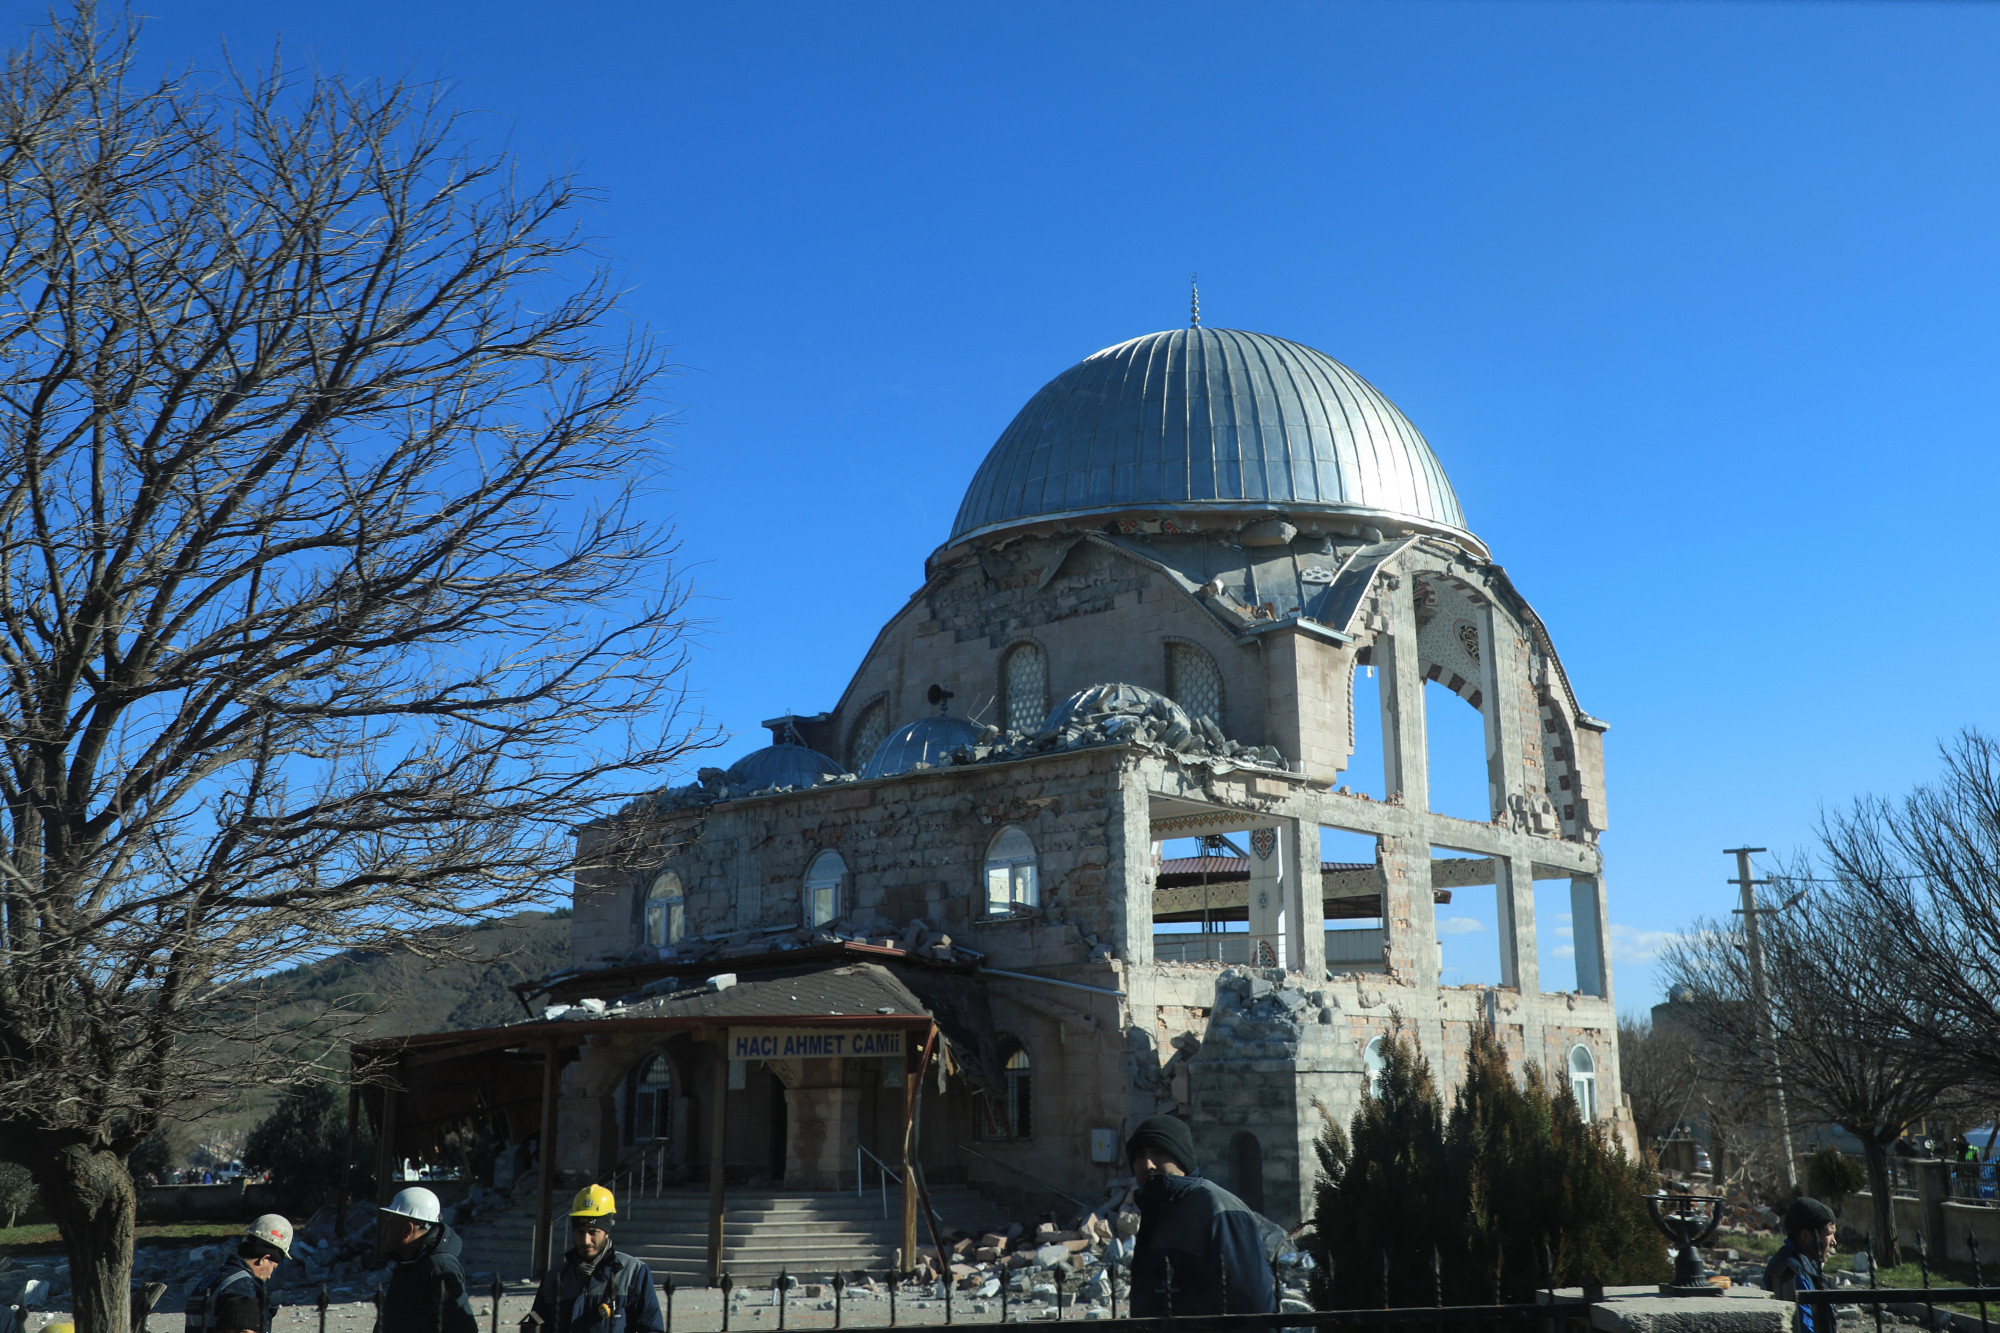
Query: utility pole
pixel 1754 944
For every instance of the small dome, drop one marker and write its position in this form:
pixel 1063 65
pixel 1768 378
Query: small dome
pixel 781 766
pixel 1209 420
pixel 928 740
pixel 1115 700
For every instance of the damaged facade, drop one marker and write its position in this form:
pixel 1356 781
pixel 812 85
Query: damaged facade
pixel 1146 625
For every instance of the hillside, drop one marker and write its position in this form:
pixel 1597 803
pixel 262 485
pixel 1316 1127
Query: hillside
pixel 392 994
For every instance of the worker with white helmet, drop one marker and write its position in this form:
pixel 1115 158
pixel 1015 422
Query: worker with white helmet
pixel 597 1289
pixel 427 1289
pixel 235 1298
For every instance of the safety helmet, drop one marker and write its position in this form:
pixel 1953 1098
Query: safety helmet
pixel 416 1203
pixel 274 1231
pixel 62 1326
pixel 593 1203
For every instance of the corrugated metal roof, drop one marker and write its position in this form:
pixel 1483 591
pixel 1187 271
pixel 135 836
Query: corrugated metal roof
pixel 1216 419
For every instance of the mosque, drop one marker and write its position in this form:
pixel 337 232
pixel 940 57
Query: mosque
pixel 1057 857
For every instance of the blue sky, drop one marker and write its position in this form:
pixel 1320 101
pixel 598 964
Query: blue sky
pixel 1697 303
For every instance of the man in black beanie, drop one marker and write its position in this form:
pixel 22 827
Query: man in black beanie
pixel 1797 1266
pixel 1201 1250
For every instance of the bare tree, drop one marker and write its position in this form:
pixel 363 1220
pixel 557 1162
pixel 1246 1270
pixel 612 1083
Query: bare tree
pixel 323 586
pixel 1829 969
pixel 1655 1066
pixel 1927 867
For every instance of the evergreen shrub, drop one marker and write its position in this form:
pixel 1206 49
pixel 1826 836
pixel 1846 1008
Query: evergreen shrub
pixel 1463 1205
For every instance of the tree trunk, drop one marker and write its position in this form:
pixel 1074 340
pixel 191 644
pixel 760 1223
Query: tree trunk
pixel 1876 1156
pixel 89 1192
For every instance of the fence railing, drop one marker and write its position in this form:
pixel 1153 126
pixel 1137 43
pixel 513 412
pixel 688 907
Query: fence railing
pixel 883 1174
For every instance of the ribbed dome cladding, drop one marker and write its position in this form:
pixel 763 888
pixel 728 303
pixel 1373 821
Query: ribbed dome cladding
pixel 1207 419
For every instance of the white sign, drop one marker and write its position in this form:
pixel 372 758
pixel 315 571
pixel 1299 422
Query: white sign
pixel 813 1043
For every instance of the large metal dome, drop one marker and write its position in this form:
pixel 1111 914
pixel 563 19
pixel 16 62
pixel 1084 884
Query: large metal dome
pixel 1208 420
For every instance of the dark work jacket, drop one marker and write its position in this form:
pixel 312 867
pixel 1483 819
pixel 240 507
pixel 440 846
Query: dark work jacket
pixel 1791 1272
pixel 427 1293
pixel 617 1297
pixel 1218 1248
pixel 230 1298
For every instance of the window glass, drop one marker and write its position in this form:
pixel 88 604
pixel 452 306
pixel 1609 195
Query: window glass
pixel 1583 1081
pixel 1019 1100
pixel 1011 878
pixel 824 878
pixel 1373 1064
pixel 1027 688
pixel 869 732
pixel 666 910
pixel 652 1101
pixel 1193 682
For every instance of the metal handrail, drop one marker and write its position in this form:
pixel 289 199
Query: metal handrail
pixel 628 1179
pixel 880 1165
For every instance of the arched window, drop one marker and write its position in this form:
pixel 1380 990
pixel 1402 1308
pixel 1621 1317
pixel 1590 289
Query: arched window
pixel 666 910
pixel 1193 682
pixel 1373 1064
pixel 1019 1098
pixel 1583 1081
pixel 650 1101
pixel 1011 882
pixel 824 879
pixel 1246 1169
pixel 869 732
pixel 1025 681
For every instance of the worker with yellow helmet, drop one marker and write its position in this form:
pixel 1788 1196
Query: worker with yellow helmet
pixel 597 1289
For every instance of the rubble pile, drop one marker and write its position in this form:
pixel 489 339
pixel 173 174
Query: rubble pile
pixel 1114 714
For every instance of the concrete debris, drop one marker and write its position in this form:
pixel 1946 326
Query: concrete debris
pixel 1113 714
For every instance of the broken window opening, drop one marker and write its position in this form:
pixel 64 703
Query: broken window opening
pixel 1373 1066
pixel 1024 688
pixel 824 879
pixel 1364 771
pixel 1555 935
pixel 1351 900
pixel 1468 928
pixel 1455 755
pixel 1193 681
pixel 1012 883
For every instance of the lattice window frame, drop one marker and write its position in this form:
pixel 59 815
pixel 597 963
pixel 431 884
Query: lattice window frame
pixel 1199 697
pixel 1031 690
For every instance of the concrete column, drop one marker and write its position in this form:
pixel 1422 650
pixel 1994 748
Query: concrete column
pixel 1305 941
pixel 1514 895
pixel 1408 914
pixel 1405 767
pixel 1589 933
pixel 1129 831
pixel 1270 849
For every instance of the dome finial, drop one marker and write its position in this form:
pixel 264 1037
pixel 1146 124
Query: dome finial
pixel 1194 302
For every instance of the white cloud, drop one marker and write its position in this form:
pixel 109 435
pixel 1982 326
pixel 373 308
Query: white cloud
pixel 1629 944
pixel 1563 951
pixel 1459 925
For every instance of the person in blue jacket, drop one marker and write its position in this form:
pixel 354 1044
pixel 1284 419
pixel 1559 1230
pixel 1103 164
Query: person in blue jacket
pixel 1799 1263
pixel 1200 1250
pixel 597 1289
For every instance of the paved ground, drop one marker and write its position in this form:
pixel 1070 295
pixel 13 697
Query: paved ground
pixel 694 1311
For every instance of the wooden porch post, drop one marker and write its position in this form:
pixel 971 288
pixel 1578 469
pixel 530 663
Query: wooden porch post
pixel 387 1161
pixel 718 1142
pixel 913 1073
pixel 546 1174
pixel 347 1158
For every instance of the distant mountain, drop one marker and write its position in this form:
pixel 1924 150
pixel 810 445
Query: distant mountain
pixel 401 993
pixel 393 994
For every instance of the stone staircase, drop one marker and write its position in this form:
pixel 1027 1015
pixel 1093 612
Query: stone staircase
pixel 764 1231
